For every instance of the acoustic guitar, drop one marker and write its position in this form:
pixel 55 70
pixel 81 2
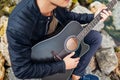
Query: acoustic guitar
pixel 65 42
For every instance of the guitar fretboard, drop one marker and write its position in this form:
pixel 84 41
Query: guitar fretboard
pixel 91 25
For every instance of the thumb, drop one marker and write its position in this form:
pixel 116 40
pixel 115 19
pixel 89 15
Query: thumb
pixel 71 54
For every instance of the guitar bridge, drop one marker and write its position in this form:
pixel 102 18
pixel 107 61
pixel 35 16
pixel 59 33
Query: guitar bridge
pixel 55 56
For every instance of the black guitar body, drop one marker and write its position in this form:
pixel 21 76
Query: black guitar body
pixel 46 50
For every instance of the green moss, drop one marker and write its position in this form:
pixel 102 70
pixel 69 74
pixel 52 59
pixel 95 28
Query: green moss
pixel 6 3
pixel 111 29
pixel 117 49
pixel 11 8
pixel 102 1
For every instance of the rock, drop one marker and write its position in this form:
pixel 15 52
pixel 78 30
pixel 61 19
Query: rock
pixel 107 60
pixel 5 53
pixel 3 25
pixel 10 75
pixel 117 70
pixel 107 40
pixel 1 31
pixel 95 6
pixel 16 1
pixel 102 76
pixel 2 72
pixel 4 50
pixel 117 42
pixel 3 20
pixel 81 9
pixel 113 76
pixel 6 9
pixel 116 16
pixel 2 60
pixel 2 69
pixel 3 42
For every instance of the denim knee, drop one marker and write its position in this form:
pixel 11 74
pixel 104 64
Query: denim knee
pixel 97 37
pixel 93 37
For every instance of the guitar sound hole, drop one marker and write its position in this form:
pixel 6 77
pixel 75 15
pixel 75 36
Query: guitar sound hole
pixel 72 44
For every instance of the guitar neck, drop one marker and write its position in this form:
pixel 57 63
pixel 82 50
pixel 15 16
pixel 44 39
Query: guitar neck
pixel 91 25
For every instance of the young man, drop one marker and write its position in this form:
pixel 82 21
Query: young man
pixel 30 22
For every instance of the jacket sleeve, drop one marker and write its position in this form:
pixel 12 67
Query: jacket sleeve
pixel 83 18
pixel 20 55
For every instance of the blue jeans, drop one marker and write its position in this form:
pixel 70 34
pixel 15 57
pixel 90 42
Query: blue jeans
pixel 93 39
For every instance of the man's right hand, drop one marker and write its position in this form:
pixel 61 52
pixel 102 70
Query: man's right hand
pixel 71 63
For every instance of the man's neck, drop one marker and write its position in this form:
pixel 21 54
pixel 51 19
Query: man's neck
pixel 45 7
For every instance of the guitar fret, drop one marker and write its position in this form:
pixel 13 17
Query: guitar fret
pixel 111 4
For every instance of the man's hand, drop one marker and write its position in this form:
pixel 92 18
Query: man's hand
pixel 104 13
pixel 71 62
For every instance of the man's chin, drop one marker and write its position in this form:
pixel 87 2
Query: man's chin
pixel 64 6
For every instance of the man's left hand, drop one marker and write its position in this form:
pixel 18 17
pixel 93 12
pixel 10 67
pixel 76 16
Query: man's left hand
pixel 104 13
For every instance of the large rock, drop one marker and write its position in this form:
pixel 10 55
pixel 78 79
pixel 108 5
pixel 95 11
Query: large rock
pixel 107 40
pixel 116 16
pixel 107 60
